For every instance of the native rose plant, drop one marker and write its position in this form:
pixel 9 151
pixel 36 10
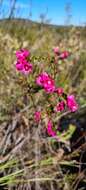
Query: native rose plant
pixel 46 82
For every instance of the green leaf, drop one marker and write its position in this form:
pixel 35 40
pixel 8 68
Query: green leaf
pixel 68 134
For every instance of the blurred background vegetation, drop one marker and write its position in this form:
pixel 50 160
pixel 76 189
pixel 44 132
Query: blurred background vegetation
pixel 40 40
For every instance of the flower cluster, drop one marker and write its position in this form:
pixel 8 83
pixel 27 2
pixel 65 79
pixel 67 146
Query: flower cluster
pixel 22 64
pixel 61 55
pixel 60 106
pixel 69 102
pixel 44 80
pixel 50 129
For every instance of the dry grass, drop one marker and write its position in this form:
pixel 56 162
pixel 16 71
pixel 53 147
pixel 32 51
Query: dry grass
pixel 30 159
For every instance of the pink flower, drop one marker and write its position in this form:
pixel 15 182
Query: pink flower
pixel 27 68
pixel 41 78
pixel 24 67
pixel 37 116
pixel 71 103
pixel 19 66
pixel 64 55
pixel 50 130
pixel 59 91
pixel 46 82
pixel 56 50
pixel 60 106
pixel 22 54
